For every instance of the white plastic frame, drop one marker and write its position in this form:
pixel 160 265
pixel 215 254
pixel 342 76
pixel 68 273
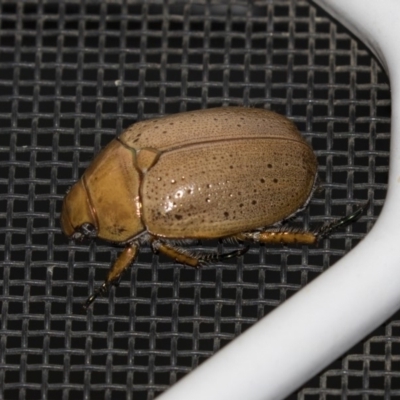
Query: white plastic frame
pixel 339 308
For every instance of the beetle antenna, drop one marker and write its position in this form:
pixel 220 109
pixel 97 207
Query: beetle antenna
pixel 328 229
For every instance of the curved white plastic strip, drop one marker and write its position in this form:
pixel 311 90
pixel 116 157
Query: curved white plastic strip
pixel 335 311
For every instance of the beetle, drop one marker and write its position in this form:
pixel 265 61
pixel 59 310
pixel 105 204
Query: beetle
pixel 223 173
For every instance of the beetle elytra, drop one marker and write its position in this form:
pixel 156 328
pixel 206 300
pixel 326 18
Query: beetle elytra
pixel 222 173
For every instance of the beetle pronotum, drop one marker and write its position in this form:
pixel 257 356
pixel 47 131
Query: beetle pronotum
pixel 226 173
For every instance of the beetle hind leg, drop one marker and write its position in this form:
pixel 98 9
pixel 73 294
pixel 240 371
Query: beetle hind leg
pixel 121 264
pixel 284 235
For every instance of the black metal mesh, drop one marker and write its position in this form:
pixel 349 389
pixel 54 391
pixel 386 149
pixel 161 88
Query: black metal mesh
pixel 73 74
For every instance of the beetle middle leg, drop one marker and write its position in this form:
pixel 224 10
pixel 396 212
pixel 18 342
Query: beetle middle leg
pixel 292 236
pixel 121 264
pixel 194 260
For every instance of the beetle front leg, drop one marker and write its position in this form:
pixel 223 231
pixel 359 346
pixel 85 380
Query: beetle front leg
pixel 121 264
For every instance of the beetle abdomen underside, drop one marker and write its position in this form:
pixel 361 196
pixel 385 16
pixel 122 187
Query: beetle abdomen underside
pixel 211 190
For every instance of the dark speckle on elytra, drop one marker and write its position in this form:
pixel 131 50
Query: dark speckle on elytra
pixel 275 180
pixel 254 202
pixel 117 230
pixel 226 214
pixel 178 217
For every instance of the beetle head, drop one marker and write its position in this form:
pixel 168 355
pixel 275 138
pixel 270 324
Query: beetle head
pixel 77 216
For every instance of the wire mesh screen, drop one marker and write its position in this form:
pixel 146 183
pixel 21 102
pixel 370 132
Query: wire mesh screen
pixel 73 75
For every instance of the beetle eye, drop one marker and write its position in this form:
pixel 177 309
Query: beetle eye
pixel 85 231
pixel 88 230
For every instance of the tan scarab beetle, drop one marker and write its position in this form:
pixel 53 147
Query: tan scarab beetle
pixel 218 173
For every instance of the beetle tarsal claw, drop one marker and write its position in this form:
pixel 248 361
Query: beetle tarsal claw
pixel 327 229
pixel 102 290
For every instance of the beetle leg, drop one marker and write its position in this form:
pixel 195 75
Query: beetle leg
pixel 292 236
pixel 194 260
pixel 121 264
pixel 280 236
pixel 214 257
pixel 177 254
